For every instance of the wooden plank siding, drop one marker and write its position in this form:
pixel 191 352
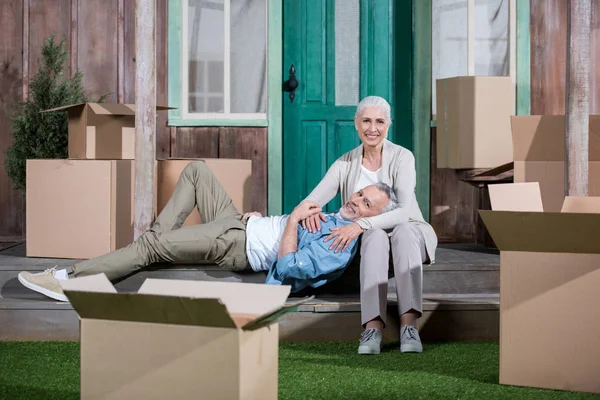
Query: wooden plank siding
pixel 101 41
pixel 196 142
pixel 97 47
pixel 251 144
pixel 47 17
pixel 12 218
pixel 453 203
pixel 549 57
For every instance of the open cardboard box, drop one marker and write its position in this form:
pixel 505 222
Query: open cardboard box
pixel 178 339
pixel 539 152
pixel 101 130
pixel 549 288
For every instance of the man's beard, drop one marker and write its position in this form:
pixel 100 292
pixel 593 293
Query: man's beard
pixel 344 216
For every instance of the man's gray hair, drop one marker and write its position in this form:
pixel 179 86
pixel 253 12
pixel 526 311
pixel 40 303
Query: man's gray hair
pixel 393 200
pixel 374 101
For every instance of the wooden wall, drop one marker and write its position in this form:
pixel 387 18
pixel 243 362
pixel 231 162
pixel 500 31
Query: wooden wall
pixel 549 57
pixel 11 91
pixel 101 43
pixel 454 203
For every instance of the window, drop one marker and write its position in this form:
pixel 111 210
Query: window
pixel 224 59
pixel 473 37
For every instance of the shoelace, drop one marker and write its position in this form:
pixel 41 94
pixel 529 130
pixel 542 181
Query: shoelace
pixel 49 271
pixel 409 333
pixel 367 335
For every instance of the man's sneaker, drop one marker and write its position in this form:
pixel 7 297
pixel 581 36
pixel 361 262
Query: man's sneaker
pixel 44 283
pixel 370 341
pixel 409 340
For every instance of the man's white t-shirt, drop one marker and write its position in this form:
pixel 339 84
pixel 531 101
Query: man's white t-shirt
pixel 366 178
pixel 263 235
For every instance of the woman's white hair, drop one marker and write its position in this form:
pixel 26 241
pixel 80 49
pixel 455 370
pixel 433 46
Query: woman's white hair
pixel 374 101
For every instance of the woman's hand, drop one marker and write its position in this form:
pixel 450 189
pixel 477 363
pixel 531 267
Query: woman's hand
pixel 251 214
pixel 313 223
pixel 343 236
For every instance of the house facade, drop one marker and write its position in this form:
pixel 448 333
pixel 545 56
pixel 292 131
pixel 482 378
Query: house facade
pixel 278 81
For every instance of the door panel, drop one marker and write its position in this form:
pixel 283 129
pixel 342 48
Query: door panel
pixel 334 72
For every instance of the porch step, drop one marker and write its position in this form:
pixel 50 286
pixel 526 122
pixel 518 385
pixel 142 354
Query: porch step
pixel 459 269
pixel 460 299
pixel 445 318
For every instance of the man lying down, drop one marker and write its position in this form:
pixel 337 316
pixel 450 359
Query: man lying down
pixel 278 244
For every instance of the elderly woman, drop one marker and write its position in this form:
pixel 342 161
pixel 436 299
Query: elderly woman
pixel 403 232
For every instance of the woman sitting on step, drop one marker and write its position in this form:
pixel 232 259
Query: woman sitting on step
pixel 402 232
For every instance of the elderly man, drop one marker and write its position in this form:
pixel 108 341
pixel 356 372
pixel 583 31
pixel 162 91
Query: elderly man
pixel 292 255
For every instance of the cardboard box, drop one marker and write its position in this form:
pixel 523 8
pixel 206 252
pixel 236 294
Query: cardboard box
pixel 78 208
pixel 473 121
pixel 234 175
pixel 101 130
pixel 539 151
pixel 178 339
pixel 549 280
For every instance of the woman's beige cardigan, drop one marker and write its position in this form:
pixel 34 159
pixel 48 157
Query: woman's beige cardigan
pixel 398 171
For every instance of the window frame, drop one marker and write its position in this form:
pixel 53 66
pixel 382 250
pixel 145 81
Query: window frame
pixel 519 52
pixel 178 75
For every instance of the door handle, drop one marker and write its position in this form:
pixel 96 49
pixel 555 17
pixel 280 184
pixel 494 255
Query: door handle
pixel 291 84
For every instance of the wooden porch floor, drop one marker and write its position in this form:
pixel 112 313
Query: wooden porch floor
pixel 461 299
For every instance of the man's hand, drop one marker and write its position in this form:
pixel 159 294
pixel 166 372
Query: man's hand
pixel 251 214
pixel 313 223
pixel 304 210
pixel 344 236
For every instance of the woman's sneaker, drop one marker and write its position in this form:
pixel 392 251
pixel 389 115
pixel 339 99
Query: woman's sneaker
pixel 44 283
pixel 370 341
pixel 410 342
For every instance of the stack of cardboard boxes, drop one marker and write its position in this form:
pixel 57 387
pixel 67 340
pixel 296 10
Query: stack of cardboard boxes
pixel 173 338
pixel 82 207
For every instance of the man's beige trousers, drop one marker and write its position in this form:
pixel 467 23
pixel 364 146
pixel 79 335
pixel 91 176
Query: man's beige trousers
pixel 220 239
pixel 408 255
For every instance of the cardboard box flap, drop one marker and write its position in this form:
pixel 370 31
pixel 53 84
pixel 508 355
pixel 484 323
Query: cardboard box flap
pixel 136 307
pixel 274 315
pixel 543 231
pixel 112 109
pixel 64 107
pixel 239 298
pixel 583 204
pixel 516 197
pixel 93 283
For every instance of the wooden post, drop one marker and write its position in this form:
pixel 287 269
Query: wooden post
pixel 145 116
pixel 577 98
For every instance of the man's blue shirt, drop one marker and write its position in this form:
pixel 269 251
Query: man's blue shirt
pixel 313 264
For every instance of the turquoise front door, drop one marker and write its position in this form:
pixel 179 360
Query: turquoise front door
pixel 338 51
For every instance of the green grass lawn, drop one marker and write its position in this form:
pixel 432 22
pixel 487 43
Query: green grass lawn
pixel 50 370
